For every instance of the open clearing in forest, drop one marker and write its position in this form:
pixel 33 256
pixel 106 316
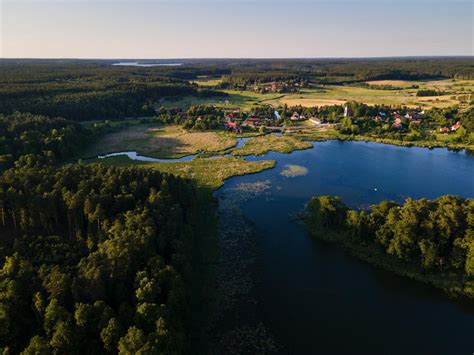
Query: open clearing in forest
pixel 162 141
pixel 209 82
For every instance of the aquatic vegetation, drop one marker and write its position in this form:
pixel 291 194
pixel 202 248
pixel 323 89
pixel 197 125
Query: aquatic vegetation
pixel 248 340
pixel 238 239
pixel 264 144
pixel 293 170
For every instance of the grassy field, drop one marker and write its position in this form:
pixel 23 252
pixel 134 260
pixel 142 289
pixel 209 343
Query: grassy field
pixel 207 82
pixel 208 172
pixel 263 144
pixel 456 92
pixel 246 100
pixel 161 141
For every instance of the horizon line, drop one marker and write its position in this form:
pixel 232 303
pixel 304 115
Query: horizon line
pixel 242 58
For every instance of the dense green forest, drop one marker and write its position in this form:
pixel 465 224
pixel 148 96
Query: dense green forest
pixel 95 259
pixel 430 240
pixel 88 92
pixel 37 140
pixel 339 71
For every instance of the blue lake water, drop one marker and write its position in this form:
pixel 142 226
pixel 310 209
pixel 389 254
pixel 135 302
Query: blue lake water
pixel 315 298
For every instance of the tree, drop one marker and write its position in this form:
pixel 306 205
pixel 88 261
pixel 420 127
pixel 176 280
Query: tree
pixel 62 339
pixel 56 283
pixel 54 314
pixel 133 342
pixel 111 334
pixel 469 268
pixel 327 211
pixel 37 346
pixel 428 253
pixel 347 127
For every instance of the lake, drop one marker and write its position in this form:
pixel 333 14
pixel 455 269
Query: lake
pixel 316 298
pixel 147 65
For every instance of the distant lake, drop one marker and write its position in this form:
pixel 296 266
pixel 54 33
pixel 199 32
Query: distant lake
pixel 316 298
pixel 137 64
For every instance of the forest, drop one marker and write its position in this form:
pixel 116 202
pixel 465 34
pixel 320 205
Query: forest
pixel 432 237
pixel 88 92
pixel 96 259
pixel 34 140
pixel 340 71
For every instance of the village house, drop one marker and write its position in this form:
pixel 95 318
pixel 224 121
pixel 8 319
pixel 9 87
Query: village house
pixel 456 126
pixel 253 121
pixel 398 123
pixel 275 87
pixel 397 116
pixel 229 117
pixel 297 117
pixel 451 129
pixel 233 126
pixel 414 115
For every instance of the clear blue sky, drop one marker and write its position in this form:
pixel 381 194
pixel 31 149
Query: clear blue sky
pixel 234 28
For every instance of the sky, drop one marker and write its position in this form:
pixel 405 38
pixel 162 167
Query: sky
pixel 234 28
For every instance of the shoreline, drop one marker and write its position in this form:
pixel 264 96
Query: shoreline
pixel 399 143
pixel 450 285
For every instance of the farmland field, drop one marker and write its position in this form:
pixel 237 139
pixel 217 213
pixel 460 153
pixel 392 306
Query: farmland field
pixel 205 81
pixel 457 92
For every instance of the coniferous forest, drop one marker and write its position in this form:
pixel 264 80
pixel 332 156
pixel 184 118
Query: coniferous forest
pixel 96 259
